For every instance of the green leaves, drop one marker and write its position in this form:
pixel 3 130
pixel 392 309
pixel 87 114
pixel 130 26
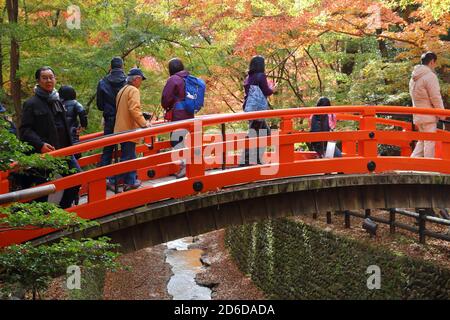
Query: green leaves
pixel 19 216
pixel 377 82
pixel 32 268
pixel 13 151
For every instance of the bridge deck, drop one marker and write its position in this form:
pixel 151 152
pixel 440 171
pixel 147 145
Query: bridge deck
pixel 171 179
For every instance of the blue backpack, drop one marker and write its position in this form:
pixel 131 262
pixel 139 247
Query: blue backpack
pixel 256 100
pixel 194 94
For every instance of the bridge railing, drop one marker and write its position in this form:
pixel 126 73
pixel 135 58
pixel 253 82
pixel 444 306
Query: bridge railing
pixel 360 147
pixel 152 146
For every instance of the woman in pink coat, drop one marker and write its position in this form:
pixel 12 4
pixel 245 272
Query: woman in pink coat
pixel 425 93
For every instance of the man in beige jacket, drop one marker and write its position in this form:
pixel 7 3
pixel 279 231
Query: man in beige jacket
pixel 425 93
pixel 128 117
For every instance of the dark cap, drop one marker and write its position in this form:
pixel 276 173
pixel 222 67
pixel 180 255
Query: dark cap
pixel 117 63
pixel 136 72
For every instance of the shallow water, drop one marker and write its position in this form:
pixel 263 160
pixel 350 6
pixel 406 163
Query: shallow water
pixel 185 264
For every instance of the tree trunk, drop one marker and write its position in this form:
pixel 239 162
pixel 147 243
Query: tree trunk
pixel 382 45
pixel 1 62
pixel 13 13
pixel 1 50
pixel 55 22
pixel 351 48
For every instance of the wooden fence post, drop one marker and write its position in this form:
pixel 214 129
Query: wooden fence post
pixel 392 221
pixel 347 218
pixel 329 217
pixel 422 220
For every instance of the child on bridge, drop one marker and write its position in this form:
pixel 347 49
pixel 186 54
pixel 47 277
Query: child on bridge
pixel 323 123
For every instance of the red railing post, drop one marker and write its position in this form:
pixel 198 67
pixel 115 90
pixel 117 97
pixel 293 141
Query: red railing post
pixel 368 148
pixel 149 143
pixel 195 164
pixel 445 152
pixel 349 148
pixel 97 190
pixel 4 182
pixel 286 149
pixel 405 150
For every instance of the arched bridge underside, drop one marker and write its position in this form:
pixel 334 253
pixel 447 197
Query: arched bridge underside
pixel 167 220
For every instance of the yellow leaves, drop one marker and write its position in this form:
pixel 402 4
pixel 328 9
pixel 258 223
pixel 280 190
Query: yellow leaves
pixel 437 8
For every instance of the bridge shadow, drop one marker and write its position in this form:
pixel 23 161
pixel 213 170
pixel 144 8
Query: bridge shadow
pixel 168 220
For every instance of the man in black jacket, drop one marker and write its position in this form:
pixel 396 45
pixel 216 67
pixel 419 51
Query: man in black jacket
pixel 44 126
pixel 107 90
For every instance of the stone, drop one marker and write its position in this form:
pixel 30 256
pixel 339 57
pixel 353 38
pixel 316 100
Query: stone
pixel 206 283
pixel 205 260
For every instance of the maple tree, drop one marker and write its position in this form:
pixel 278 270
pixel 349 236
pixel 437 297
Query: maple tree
pixel 315 48
pixel 352 51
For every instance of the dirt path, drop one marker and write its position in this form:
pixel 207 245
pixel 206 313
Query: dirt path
pixel 147 279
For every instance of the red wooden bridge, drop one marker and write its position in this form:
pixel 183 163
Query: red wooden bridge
pixel 217 192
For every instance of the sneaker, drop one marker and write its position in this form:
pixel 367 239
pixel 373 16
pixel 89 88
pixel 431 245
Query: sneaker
pixel 128 187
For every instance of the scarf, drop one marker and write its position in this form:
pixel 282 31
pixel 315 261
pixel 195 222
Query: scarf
pixel 52 99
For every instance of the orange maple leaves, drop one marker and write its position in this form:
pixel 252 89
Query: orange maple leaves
pixel 98 39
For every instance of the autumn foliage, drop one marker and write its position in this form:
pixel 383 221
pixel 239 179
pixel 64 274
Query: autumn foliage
pixel 353 51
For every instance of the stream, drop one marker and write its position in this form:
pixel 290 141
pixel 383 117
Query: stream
pixel 185 265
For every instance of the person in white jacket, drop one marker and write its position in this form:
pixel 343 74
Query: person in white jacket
pixel 425 93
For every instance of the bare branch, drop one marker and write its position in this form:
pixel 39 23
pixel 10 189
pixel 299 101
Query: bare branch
pixel 317 70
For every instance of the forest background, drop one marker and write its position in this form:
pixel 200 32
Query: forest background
pixel 355 52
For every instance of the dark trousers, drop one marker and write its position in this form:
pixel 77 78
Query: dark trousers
pixel 128 153
pixel 321 148
pixel 107 154
pixel 71 195
pixel 75 139
pixel 257 128
pixel 25 181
